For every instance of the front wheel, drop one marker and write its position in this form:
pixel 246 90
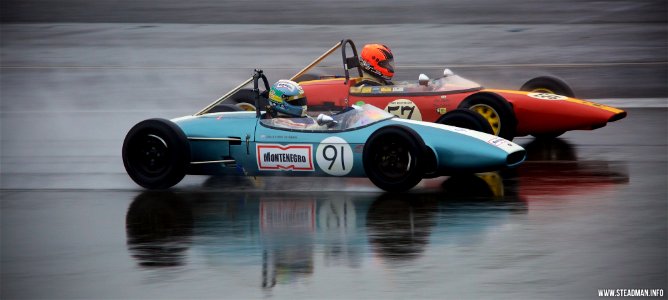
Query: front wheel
pixel 496 110
pixel 468 119
pixel 156 154
pixel 548 85
pixel 392 158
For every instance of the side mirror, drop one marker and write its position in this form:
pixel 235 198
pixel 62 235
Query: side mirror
pixel 447 72
pixel 326 120
pixel 423 79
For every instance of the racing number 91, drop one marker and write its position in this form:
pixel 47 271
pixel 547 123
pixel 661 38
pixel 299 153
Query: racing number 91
pixel 334 156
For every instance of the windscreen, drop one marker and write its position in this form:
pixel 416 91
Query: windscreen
pixel 450 83
pixel 348 119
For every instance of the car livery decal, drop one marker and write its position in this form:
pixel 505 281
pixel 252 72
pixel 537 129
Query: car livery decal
pixel 597 105
pixel 405 109
pixel 276 157
pixel 547 96
pixel 499 142
pixel 334 156
pixel 376 89
pixel 573 100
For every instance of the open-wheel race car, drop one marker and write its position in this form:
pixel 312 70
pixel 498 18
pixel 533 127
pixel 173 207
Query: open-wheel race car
pixel 361 141
pixel 544 107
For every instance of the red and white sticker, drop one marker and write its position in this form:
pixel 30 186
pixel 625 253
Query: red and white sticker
pixel 547 96
pixel 275 157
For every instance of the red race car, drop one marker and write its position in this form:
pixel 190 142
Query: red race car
pixel 544 108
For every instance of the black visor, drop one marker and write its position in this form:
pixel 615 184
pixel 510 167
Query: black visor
pixel 298 102
pixel 387 64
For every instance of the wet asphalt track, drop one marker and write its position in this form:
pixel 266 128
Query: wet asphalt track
pixel 587 211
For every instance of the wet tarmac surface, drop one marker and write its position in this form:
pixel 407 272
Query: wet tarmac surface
pixel 586 211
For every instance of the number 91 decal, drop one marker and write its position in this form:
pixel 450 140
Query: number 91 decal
pixel 334 156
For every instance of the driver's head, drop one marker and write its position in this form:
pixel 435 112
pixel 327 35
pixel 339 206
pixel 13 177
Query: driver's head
pixel 287 98
pixel 377 60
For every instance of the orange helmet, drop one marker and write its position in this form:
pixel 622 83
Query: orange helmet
pixel 378 60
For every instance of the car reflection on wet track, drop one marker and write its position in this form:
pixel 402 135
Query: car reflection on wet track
pixel 553 168
pixel 282 232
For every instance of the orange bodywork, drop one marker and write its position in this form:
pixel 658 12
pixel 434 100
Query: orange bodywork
pixel 534 115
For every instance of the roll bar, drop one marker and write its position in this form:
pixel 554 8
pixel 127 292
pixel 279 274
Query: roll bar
pixel 317 60
pixel 348 63
pixel 223 97
pixel 256 77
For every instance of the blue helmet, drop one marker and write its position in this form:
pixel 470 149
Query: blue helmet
pixel 287 97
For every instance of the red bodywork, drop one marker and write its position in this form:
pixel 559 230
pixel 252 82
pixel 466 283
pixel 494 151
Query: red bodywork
pixel 534 115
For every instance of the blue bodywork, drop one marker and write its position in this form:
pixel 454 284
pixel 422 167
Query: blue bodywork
pixel 242 144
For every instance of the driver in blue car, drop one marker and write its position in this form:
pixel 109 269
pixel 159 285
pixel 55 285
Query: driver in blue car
pixel 377 63
pixel 287 109
pixel 286 99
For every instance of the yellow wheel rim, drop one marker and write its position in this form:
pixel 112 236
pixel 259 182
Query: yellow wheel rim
pixel 543 90
pixel 246 106
pixel 490 115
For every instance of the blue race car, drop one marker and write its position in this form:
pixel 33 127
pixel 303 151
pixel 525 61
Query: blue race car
pixel 395 154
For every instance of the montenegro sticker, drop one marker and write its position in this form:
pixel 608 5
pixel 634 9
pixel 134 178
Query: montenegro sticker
pixel 275 157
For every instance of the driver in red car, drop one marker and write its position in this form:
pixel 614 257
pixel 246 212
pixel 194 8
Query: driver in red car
pixel 377 62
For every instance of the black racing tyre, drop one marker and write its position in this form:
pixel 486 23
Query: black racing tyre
pixel 548 85
pixel 307 77
pixel 156 153
pixel 159 228
pixel 468 119
pixel 496 110
pixel 244 99
pixel 393 158
pixel 548 135
pixel 226 107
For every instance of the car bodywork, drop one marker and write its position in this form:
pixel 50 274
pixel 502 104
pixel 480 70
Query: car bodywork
pixel 536 110
pixel 359 142
pixel 535 113
pixel 267 147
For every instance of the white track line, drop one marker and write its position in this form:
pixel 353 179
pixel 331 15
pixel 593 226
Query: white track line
pixel 633 102
pixel 620 103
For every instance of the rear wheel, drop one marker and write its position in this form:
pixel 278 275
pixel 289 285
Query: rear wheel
pixel 496 110
pixel 156 154
pixel 468 119
pixel 393 157
pixel 307 77
pixel 226 107
pixel 548 85
pixel 244 99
